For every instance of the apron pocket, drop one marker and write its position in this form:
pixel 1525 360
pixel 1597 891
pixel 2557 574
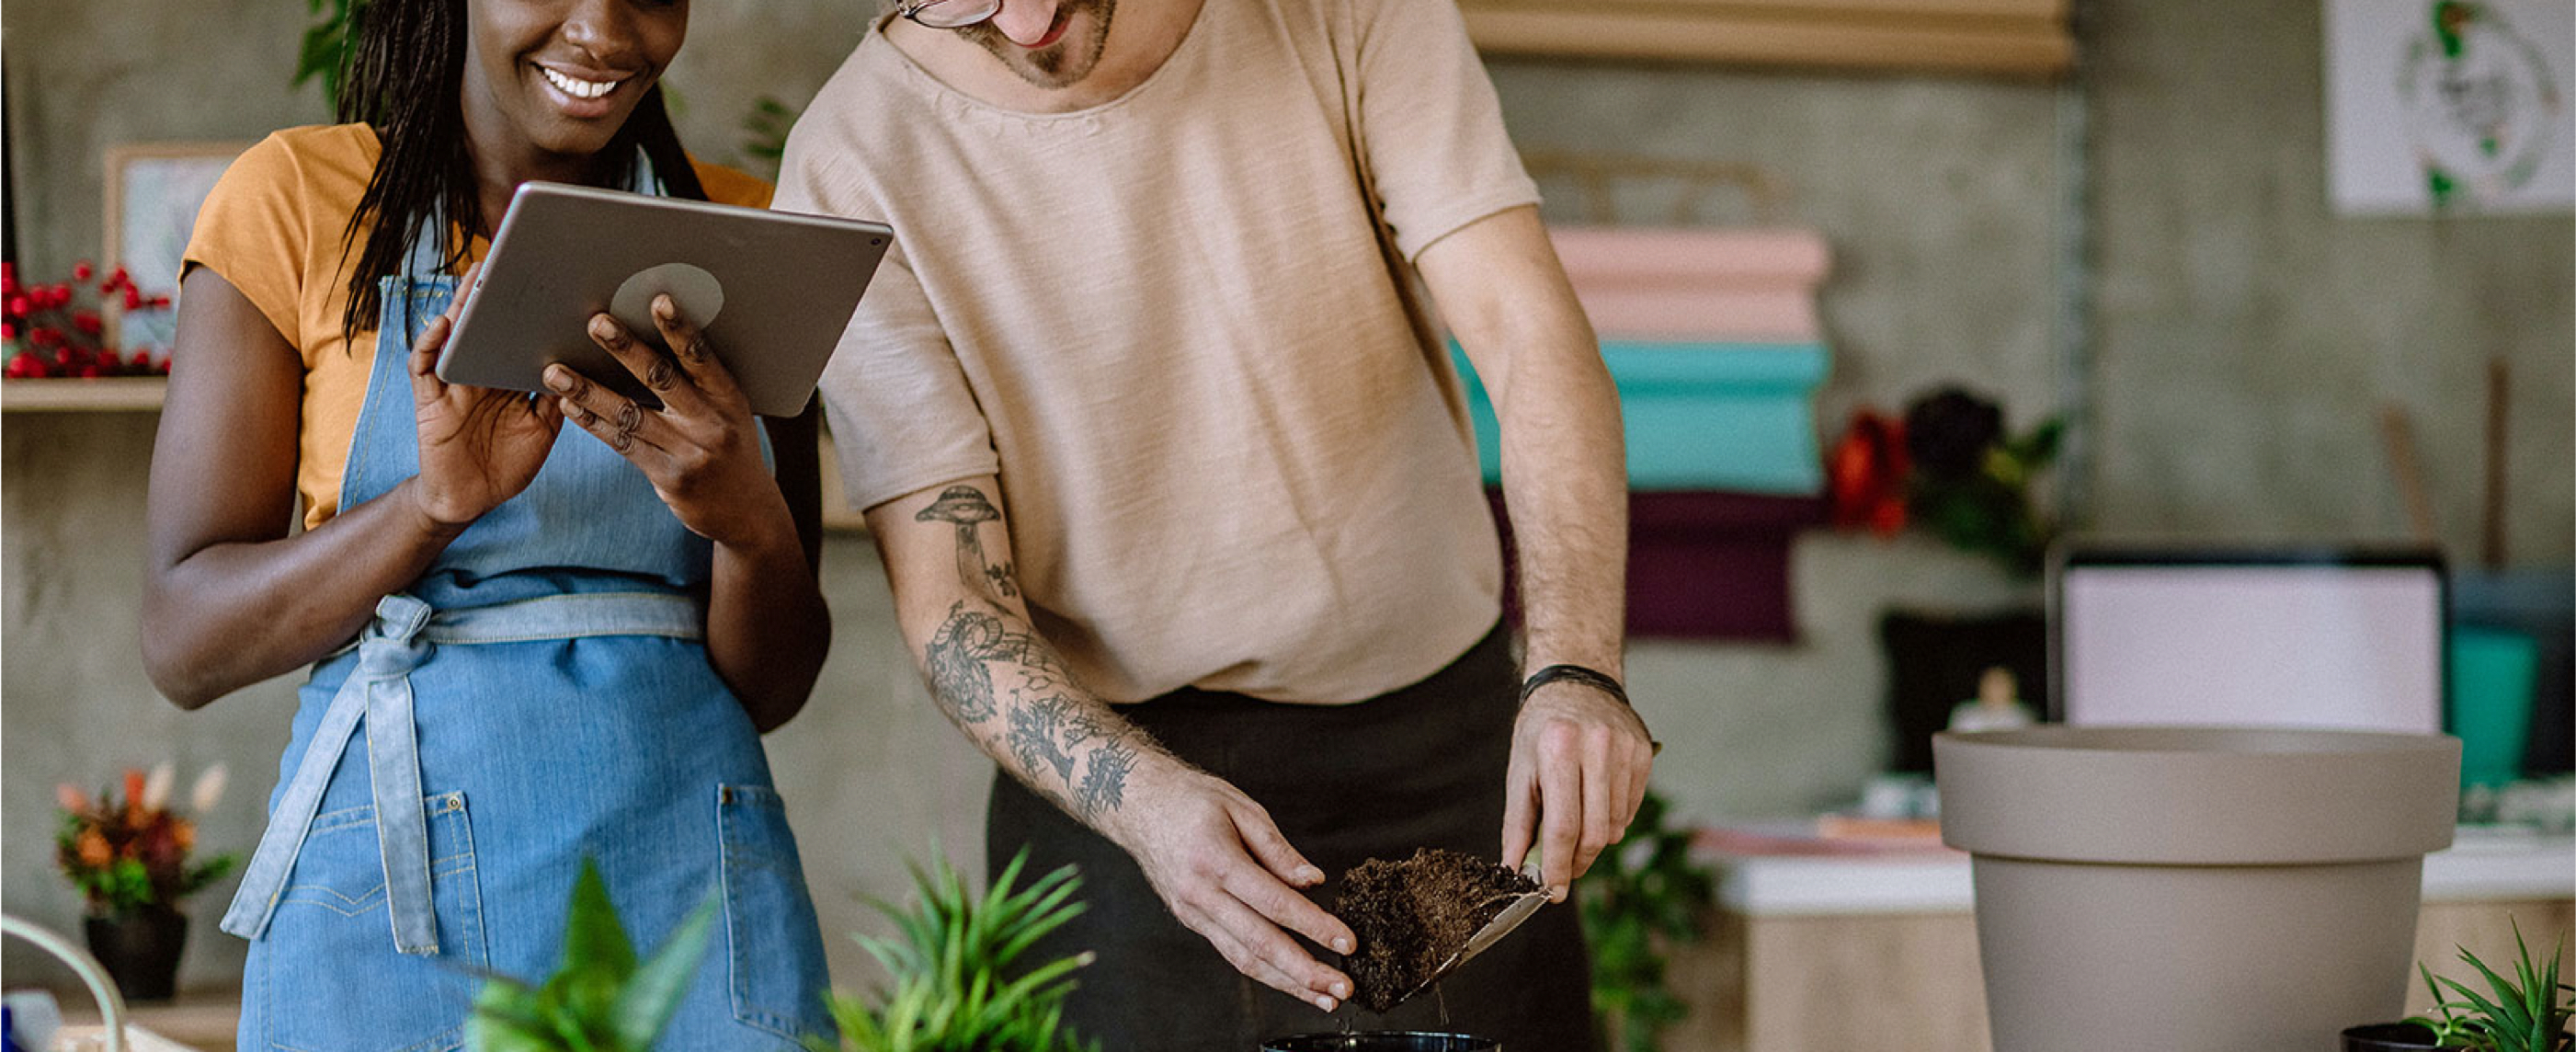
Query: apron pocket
pixel 332 935
pixel 773 942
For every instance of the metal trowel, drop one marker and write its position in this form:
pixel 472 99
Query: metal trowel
pixel 1516 908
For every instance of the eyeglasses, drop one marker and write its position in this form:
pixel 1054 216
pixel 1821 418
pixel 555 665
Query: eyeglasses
pixel 948 14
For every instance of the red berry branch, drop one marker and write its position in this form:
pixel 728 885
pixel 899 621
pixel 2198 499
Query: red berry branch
pixel 46 330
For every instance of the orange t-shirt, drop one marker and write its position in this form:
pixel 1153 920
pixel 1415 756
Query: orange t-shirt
pixel 274 225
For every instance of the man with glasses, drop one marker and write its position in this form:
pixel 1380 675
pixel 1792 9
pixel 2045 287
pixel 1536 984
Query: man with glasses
pixel 1176 493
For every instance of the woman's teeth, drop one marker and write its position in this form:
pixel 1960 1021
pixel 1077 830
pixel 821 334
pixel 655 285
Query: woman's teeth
pixel 577 88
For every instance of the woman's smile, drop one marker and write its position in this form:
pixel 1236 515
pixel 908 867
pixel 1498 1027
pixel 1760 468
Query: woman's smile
pixel 580 93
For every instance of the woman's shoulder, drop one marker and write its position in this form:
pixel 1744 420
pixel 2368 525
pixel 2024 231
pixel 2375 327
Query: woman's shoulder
pixel 325 160
pixel 346 148
pixel 732 186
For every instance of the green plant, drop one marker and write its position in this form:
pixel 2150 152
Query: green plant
pixel 129 854
pixel 328 43
pixel 2525 1013
pixel 1639 897
pixel 600 999
pixel 953 986
pixel 765 134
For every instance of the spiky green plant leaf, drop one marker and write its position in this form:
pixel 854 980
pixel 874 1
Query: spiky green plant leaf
pixel 656 988
pixel 599 999
pixel 952 985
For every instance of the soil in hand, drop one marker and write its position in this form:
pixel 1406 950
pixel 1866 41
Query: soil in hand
pixel 1410 916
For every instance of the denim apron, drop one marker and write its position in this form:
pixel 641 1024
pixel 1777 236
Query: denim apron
pixel 542 693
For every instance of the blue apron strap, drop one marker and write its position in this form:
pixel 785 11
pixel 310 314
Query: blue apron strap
pixel 379 690
pixel 393 771
pixel 386 644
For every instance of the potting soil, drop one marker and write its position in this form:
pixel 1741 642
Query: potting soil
pixel 1411 916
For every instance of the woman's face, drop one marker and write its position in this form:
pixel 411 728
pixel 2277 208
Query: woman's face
pixel 558 77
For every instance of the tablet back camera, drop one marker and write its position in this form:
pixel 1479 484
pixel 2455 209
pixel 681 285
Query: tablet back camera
pixel 697 293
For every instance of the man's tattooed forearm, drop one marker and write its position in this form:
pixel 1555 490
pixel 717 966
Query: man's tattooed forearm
pixel 957 656
pixel 1034 730
pixel 1047 721
pixel 1104 784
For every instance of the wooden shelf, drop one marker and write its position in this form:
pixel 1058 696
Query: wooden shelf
pixel 2009 37
pixel 113 394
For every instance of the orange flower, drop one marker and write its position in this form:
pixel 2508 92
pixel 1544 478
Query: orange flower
pixel 183 833
pixel 69 796
pixel 92 849
pixel 134 796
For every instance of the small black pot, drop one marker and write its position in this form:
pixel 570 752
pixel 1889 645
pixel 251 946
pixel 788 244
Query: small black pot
pixel 140 952
pixel 2391 1037
pixel 1381 1041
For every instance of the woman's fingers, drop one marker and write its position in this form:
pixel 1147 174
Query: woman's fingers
pixel 689 344
pixel 611 417
pixel 425 384
pixel 426 387
pixel 654 369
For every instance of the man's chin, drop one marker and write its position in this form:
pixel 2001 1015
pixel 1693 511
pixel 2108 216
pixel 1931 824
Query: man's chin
pixel 1062 64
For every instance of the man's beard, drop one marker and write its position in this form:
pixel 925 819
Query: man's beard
pixel 1053 66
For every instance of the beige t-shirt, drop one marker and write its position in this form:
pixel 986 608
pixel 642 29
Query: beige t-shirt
pixel 1230 456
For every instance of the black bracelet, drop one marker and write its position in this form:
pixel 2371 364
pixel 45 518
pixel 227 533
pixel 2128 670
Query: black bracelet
pixel 1576 674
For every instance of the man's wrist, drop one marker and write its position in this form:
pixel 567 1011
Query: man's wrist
pixel 1571 673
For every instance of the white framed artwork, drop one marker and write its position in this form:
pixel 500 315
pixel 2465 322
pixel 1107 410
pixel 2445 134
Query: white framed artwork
pixel 153 191
pixel 2450 106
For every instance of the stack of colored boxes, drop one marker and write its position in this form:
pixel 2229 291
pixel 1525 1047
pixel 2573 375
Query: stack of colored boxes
pixel 1712 336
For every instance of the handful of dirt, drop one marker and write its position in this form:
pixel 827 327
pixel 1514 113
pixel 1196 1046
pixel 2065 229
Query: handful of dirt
pixel 1410 916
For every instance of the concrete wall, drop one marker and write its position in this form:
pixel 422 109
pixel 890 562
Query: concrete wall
pixel 2244 338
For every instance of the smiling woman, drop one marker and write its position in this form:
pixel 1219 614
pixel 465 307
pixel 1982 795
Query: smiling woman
pixel 559 645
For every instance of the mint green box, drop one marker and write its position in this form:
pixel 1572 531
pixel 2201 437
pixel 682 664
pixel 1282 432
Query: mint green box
pixel 2493 675
pixel 1701 416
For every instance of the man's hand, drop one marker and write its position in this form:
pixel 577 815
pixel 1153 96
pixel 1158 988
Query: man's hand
pixel 1580 758
pixel 1222 866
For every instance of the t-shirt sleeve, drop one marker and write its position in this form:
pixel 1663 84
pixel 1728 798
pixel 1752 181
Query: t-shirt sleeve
pixel 731 186
pixel 902 415
pixel 252 231
pixel 1431 123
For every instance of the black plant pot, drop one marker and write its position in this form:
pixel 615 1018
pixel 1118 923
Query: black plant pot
pixel 2391 1037
pixel 1381 1041
pixel 140 952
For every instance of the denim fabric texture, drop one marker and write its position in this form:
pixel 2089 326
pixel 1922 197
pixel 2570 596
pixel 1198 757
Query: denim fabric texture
pixel 558 711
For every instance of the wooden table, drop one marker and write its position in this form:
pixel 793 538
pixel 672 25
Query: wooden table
pixel 199 1021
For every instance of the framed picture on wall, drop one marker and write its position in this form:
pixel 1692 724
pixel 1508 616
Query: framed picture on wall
pixel 153 190
pixel 2434 106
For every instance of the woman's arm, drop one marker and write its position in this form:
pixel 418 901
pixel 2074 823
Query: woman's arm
pixel 767 627
pixel 229 597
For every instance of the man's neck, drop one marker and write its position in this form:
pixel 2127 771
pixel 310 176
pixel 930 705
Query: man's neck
pixel 1141 38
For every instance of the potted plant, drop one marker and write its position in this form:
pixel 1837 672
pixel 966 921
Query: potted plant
pixel 954 986
pixel 601 999
pixel 128 853
pixel 1639 897
pixel 2525 1012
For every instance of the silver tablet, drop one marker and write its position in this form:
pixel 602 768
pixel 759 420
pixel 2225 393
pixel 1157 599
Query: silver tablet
pixel 772 291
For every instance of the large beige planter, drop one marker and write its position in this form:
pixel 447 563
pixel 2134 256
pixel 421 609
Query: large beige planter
pixel 2201 889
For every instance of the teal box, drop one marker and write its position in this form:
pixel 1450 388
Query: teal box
pixel 1701 416
pixel 2494 673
